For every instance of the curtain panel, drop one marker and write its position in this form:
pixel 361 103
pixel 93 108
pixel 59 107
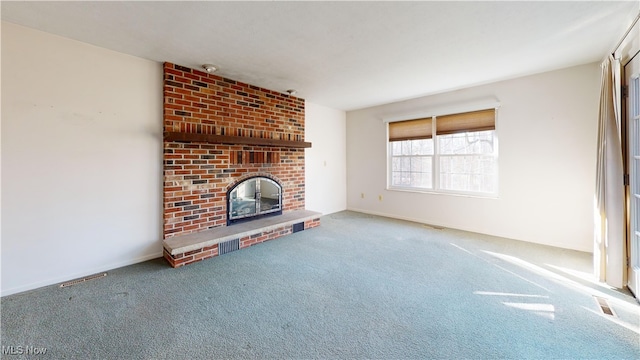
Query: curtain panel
pixel 609 212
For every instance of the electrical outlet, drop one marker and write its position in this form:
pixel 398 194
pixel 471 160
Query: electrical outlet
pixel 362 195
pixel 380 197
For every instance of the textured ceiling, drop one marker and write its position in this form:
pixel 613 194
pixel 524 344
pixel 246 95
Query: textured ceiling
pixel 346 55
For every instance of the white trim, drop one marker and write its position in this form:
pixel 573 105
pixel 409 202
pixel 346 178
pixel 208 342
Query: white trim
pixel 435 165
pixel 389 161
pixel 445 110
pixel 398 217
pixel 632 126
pixel 468 194
pixel 59 279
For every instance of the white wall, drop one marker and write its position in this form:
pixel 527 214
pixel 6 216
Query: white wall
pixel 325 161
pixel 547 127
pixel 81 157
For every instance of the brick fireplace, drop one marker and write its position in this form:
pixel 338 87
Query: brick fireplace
pixel 217 133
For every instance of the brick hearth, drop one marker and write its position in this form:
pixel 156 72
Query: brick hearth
pixel 187 249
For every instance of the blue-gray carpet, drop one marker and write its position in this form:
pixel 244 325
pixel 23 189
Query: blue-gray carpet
pixel 358 286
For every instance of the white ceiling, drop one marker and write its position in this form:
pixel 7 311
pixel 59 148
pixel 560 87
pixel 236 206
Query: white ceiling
pixel 346 55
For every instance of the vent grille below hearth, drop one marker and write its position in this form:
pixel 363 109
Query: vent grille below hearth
pixel 228 246
pixel 297 227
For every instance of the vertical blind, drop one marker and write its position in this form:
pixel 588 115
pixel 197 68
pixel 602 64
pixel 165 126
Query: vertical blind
pixel 447 124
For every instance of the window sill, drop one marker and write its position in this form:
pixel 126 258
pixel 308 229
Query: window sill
pixel 446 193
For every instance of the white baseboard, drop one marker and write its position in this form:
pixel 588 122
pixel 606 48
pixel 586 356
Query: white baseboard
pixel 91 271
pixel 391 216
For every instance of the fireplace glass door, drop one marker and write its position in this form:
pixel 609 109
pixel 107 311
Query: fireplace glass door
pixel 252 198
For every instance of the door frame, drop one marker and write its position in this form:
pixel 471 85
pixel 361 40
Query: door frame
pixel 626 51
pixel 629 130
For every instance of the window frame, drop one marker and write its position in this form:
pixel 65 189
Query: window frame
pixel 435 162
pixel 390 170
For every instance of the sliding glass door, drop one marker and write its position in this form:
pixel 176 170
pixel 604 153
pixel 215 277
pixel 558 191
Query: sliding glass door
pixel 632 79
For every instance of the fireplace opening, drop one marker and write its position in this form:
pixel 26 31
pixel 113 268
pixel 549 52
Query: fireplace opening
pixel 253 198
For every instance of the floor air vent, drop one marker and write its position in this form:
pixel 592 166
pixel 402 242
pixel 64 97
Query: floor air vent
pixel 228 246
pixel 604 306
pixel 84 279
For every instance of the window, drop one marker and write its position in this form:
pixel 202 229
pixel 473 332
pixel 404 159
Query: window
pixel 461 158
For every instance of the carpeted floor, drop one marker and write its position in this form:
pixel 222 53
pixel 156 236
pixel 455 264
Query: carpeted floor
pixel 358 286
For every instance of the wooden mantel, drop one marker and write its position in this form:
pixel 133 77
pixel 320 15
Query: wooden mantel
pixel 232 140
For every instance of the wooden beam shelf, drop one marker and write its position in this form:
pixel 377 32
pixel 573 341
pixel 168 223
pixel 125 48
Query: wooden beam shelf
pixel 232 140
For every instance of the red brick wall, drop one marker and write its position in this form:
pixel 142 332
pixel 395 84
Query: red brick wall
pixel 198 175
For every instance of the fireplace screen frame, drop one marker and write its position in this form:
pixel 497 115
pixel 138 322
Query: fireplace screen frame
pixel 253 198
